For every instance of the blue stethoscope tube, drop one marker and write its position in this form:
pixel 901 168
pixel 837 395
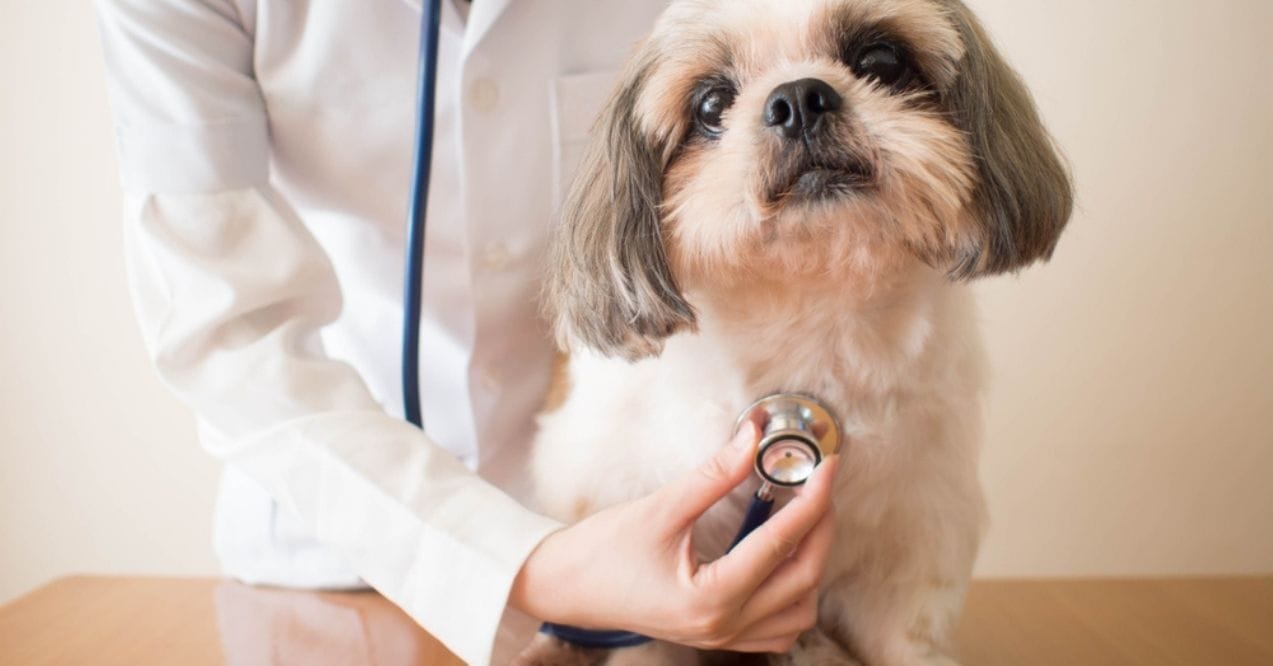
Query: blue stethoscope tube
pixel 426 90
pixel 430 22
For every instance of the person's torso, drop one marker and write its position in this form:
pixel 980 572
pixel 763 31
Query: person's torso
pixel 519 84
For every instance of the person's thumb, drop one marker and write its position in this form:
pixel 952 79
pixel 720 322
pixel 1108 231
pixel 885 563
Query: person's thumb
pixel 698 490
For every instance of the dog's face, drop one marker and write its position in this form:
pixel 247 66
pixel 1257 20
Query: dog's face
pixel 782 141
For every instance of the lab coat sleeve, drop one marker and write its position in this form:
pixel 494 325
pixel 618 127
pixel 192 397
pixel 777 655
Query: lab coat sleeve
pixel 231 289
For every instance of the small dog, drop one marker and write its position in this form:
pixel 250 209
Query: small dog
pixel 789 196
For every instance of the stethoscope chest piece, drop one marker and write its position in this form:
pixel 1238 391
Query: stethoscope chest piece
pixel 797 433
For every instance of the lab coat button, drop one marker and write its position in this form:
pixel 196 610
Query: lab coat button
pixel 484 95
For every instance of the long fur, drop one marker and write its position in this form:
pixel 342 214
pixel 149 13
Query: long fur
pixel 690 277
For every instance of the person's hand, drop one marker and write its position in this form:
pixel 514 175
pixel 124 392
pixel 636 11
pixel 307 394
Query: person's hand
pixel 633 566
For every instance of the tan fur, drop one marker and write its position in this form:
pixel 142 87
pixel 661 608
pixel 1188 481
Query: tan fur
pixel 558 383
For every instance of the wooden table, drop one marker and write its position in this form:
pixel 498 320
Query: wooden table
pixel 107 621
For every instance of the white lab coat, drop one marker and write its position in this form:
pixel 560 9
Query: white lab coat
pixel 264 147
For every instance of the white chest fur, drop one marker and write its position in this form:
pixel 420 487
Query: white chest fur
pixel 901 373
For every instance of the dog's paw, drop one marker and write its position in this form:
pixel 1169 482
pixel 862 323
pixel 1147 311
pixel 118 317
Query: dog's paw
pixel 815 648
pixel 654 653
pixel 546 650
pixel 722 658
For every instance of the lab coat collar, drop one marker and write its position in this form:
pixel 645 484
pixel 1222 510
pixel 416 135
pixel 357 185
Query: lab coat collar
pixel 482 16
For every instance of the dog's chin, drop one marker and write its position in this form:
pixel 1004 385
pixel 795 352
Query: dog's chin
pixel 820 184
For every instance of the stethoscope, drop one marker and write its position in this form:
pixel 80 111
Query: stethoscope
pixel 797 431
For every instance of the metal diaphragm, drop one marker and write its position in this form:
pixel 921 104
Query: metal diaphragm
pixel 797 432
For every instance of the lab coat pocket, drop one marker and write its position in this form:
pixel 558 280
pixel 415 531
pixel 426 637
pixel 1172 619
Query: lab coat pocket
pixel 577 100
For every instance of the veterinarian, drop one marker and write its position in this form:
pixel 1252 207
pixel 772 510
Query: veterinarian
pixel 264 148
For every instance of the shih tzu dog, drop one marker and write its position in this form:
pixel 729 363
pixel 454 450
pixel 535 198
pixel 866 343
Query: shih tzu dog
pixel 790 195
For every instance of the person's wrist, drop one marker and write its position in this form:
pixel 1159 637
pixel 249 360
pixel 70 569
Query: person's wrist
pixel 534 592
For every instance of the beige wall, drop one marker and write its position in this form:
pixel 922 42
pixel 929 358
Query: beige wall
pixel 1130 428
pixel 1131 424
pixel 99 470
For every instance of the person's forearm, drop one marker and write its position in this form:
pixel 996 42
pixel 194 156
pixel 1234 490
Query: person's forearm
pixel 230 293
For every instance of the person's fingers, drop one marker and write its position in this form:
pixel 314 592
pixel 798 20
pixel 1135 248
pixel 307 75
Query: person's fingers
pixel 793 620
pixel 745 568
pixel 696 492
pixel 795 579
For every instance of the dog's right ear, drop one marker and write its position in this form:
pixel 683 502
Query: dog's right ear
pixel 1024 196
pixel 609 283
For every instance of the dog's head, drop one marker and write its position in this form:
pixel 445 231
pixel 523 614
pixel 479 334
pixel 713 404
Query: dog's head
pixel 779 141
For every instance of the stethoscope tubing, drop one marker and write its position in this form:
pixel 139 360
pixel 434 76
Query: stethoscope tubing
pixel 758 511
pixel 422 167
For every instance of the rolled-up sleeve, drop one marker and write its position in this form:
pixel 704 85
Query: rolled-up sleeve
pixel 231 291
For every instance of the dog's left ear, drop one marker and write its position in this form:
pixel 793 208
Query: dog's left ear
pixel 610 285
pixel 1024 195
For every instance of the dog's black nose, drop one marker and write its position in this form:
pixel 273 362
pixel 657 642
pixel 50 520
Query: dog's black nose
pixel 797 107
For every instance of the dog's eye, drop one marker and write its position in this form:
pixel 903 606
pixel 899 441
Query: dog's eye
pixel 886 63
pixel 711 106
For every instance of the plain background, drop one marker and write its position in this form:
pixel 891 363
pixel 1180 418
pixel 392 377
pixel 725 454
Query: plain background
pixel 1130 425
